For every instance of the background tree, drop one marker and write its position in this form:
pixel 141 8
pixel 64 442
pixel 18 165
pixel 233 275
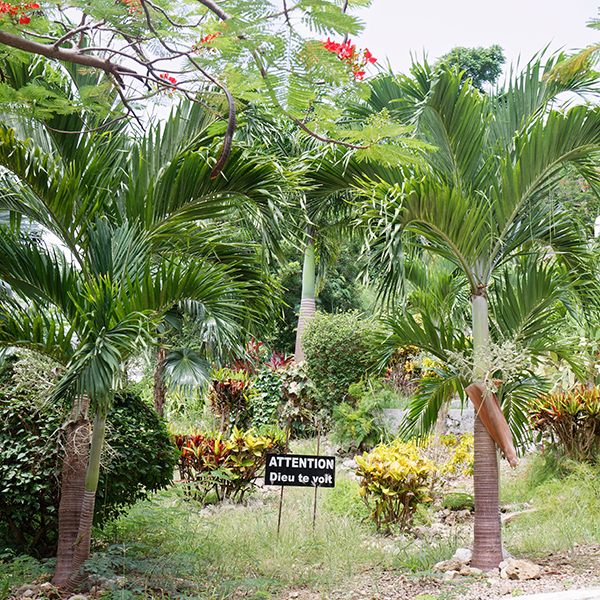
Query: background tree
pixel 480 65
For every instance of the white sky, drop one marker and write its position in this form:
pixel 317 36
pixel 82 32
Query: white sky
pixel 395 28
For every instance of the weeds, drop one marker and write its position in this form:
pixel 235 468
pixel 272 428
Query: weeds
pixel 231 546
pixel 20 570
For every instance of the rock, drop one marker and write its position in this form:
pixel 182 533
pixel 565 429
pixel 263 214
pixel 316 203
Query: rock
pixel 504 588
pixel 27 587
pixel 519 569
pixel 450 575
pixel 27 594
pixel 506 554
pixel 49 591
pixel 454 564
pixel 78 597
pixel 464 555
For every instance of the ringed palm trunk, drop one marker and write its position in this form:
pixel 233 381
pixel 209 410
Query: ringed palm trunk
pixel 307 302
pixel 487 546
pixel 74 468
pixel 82 545
pixel 160 390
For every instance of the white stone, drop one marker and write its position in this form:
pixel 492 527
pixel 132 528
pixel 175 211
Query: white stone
pixel 519 569
pixel 464 555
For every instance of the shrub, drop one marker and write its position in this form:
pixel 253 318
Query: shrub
pixel 571 418
pixel 265 396
pixel 394 481
pixel 301 411
pixel 361 425
pixel 140 459
pixel 228 398
pixel 451 455
pixel 339 350
pixel 29 473
pixel 227 467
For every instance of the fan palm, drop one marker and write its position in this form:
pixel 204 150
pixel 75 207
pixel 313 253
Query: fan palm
pixel 143 227
pixel 481 201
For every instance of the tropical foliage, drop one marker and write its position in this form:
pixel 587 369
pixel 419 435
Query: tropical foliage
pixel 481 203
pixel 213 466
pixel 572 419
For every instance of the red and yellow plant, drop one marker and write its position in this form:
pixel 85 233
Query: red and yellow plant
pixel 394 480
pixel 227 466
pixel 571 418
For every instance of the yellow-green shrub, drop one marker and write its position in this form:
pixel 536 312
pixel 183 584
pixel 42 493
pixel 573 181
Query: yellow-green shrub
pixel 454 454
pixel 395 479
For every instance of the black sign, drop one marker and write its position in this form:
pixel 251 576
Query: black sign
pixel 300 470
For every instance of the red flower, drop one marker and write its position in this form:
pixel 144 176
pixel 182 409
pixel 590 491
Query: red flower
pixel 23 20
pixel 346 52
pixel 369 57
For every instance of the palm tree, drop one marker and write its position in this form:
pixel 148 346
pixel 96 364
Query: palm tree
pixel 136 221
pixel 480 202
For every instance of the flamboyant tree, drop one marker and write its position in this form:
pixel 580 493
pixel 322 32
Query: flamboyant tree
pixel 204 50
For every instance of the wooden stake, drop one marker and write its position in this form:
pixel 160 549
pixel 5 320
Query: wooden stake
pixel 316 486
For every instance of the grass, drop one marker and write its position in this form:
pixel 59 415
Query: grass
pixel 565 497
pixel 236 546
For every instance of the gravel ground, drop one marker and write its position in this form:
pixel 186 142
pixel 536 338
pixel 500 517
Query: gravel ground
pixel 570 570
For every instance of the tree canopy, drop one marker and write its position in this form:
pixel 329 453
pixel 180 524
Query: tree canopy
pixel 480 65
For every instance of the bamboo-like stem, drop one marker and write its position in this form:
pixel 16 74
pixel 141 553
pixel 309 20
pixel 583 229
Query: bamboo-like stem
pixel 487 545
pixel 74 469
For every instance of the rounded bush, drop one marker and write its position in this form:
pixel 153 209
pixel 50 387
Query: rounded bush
pixel 139 459
pixel 339 350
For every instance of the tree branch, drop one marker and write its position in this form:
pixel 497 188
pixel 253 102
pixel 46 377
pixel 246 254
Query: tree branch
pixel 76 57
pixel 215 8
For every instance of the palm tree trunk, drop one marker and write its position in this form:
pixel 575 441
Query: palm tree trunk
pixel 487 546
pixel 307 303
pixel 160 390
pixel 82 548
pixel 74 468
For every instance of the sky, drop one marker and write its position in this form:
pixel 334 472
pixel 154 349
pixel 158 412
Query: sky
pixel 395 28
